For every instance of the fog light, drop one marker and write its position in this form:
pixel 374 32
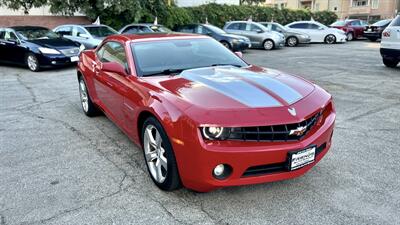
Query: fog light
pixel 53 62
pixel 222 171
pixel 219 170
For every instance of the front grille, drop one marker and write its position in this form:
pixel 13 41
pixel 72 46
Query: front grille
pixel 279 133
pixel 70 52
pixel 276 167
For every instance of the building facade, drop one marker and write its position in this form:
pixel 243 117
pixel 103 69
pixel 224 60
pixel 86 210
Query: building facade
pixel 363 9
pixel 188 3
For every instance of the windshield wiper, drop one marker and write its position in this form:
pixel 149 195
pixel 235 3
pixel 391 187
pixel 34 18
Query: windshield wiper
pixel 164 72
pixel 226 64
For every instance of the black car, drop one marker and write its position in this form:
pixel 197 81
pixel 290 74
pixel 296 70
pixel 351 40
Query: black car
pixel 231 41
pixel 374 31
pixel 36 47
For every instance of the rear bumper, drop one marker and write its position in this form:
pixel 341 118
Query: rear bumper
pixel 393 54
pixel 240 46
pixel 244 156
pixel 372 34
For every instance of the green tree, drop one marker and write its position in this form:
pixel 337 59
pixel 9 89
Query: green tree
pixel 26 5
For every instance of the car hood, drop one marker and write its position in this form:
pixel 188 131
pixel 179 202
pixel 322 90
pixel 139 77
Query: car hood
pixel 226 87
pixel 56 43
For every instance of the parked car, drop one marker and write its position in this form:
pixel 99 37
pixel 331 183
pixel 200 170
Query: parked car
pixel 36 47
pixel 138 28
pixel 231 41
pixel 374 31
pixel 390 43
pixel 204 117
pixel 318 32
pixel 259 35
pixel 88 35
pixel 353 28
pixel 293 38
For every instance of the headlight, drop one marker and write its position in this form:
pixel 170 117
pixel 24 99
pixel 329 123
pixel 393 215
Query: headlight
pixel 215 133
pixel 48 51
pixel 81 48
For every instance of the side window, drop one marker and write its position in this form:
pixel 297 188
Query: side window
pixel 356 23
pixel 2 34
pixel 202 30
pixel 299 26
pixel 113 52
pixel 130 30
pixel 65 30
pixel 396 22
pixel 79 31
pixel 253 28
pixel 186 29
pixel 274 27
pixel 10 35
pixel 237 26
pixel 313 26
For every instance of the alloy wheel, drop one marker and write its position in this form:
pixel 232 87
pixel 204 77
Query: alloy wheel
pixel 350 36
pixel 32 62
pixel 268 45
pixel 155 154
pixel 84 95
pixel 330 39
pixel 292 41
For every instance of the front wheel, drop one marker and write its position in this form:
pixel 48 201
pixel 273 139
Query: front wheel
pixel 159 156
pixel 226 44
pixel 88 107
pixel 350 36
pixel 268 44
pixel 32 62
pixel 330 39
pixel 390 62
pixel 292 41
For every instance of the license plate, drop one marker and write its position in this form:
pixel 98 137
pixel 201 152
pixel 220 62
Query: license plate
pixel 301 158
pixel 369 29
pixel 74 58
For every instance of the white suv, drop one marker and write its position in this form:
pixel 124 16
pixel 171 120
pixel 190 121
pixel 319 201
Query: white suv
pixel 390 43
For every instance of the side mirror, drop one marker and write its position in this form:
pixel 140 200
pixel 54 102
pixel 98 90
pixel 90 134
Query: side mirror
pixel 320 28
pixel 84 36
pixel 114 67
pixel 239 54
pixel 259 31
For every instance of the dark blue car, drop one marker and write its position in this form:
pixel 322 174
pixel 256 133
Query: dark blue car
pixel 36 47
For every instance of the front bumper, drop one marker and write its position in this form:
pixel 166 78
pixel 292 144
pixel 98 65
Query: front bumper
pixel 55 60
pixel 393 54
pixel 341 38
pixel 240 46
pixel 196 173
pixel 280 43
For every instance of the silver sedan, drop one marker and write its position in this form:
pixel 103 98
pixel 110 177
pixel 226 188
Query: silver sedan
pixel 293 38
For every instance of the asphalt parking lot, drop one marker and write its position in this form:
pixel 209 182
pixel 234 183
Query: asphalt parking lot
pixel 58 166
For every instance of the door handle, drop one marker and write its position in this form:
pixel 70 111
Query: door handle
pixel 109 84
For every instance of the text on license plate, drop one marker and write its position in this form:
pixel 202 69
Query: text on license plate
pixel 302 158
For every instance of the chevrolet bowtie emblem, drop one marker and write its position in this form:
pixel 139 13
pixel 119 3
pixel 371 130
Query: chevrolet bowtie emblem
pixel 298 131
pixel 292 111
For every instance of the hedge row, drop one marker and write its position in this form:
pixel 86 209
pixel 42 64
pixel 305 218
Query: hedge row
pixel 217 14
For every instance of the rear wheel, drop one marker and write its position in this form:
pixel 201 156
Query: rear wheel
pixel 32 62
pixel 390 62
pixel 292 41
pixel 330 39
pixel 159 156
pixel 350 36
pixel 268 44
pixel 226 44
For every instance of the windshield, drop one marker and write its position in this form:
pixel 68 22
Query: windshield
pixel 381 23
pixel 215 29
pixel 164 57
pixel 338 23
pixel 101 31
pixel 36 33
pixel 160 29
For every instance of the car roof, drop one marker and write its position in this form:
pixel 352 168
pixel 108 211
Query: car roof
pixel 27 27
pixel 153 36
pixel 144 24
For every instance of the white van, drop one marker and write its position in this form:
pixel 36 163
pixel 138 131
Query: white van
pixel 390 43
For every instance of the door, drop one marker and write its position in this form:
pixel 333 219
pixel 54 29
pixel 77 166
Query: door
pixel 253 32
pixel 316 32
pixel 15 51
pixel 109 85
pixel 358 28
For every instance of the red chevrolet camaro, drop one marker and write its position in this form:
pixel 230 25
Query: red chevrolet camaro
pixel 203 116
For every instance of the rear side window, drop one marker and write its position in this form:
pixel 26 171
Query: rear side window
pixel 186 29
pixel 355 23
pixel 67 30
pixel 396 22
pixel 137 30
pixel 299 26
pixel 313 26
pixel 254 28
pixel 237 26
pixel 2 33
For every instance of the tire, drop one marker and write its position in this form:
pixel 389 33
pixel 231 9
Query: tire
pixel 226 44
pixel 32 62
pixel 292 41
pixel 268 44
pixel 390 63
pixel 159 156
pixel 349 36
pixel 88 107
pixel 330 39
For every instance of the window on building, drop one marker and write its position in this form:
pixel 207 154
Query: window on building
pixel 374 4
pixel 335 8
pixel 359 3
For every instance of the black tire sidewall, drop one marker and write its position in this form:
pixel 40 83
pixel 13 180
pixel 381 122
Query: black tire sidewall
pixel 225 43
pixel 172 180
pixel 390 63
pixel 334 39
